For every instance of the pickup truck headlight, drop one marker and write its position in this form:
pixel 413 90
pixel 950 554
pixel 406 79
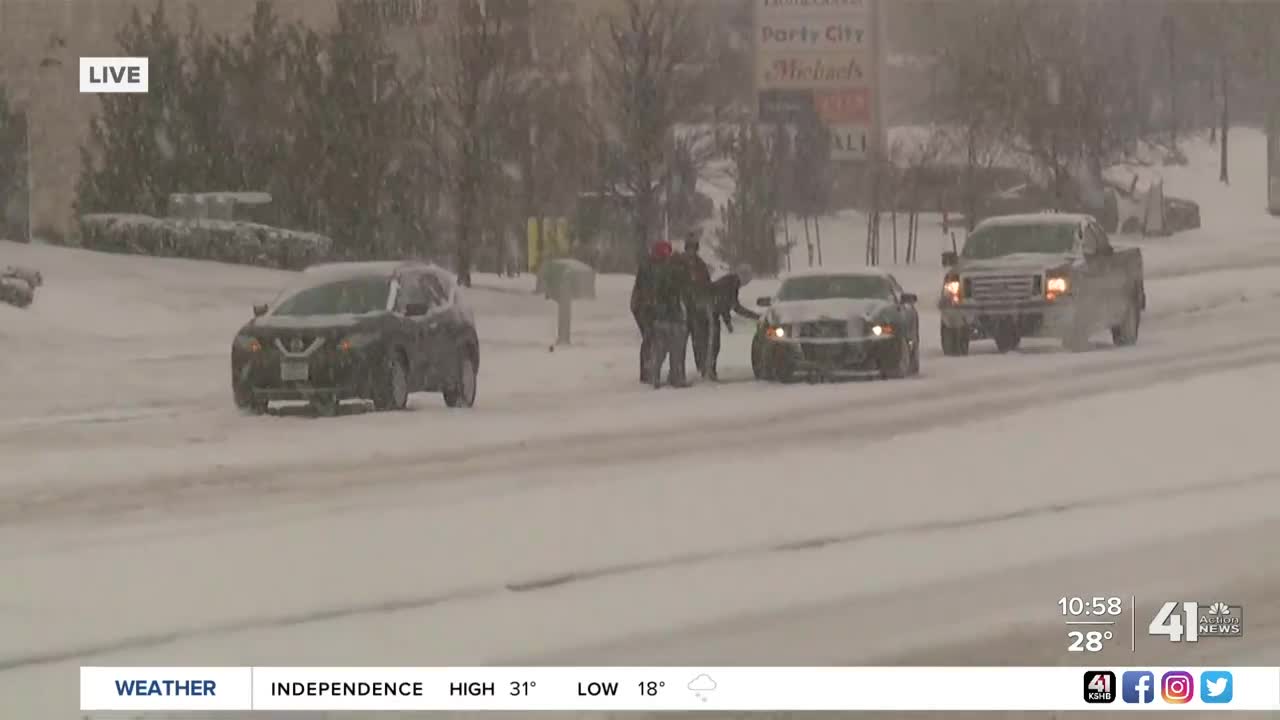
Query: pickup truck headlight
pixel 951 288
pixel 1055 286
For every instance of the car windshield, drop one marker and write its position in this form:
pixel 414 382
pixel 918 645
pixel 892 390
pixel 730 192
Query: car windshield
pixel 996 241
pixel 354 296
pixel 825 287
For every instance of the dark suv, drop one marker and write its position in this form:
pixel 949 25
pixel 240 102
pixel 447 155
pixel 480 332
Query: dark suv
pixel 376 331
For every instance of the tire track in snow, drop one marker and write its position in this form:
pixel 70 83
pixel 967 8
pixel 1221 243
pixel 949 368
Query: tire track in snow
pixel 586 575
pixel 846 418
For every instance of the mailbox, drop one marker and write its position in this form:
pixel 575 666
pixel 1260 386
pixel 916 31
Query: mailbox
pixel 567 279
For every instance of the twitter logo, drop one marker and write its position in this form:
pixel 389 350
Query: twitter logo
pixel 1215 687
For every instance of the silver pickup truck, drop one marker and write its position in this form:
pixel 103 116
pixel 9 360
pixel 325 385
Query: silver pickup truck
pixel 1042 275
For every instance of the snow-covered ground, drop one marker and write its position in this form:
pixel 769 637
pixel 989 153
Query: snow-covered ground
pixel 575 515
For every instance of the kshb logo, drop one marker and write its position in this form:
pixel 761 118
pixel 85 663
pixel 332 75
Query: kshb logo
pixel 113 74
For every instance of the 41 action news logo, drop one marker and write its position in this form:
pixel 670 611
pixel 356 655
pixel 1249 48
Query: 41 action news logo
pixel 1190 621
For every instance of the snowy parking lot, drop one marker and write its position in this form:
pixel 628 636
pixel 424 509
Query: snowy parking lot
pixel 576 516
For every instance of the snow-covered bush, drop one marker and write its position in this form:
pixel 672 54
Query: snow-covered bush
pixel 229 241
pixel 18 285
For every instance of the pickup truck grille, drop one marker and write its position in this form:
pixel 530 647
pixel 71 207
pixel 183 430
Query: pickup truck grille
pixel 1007 288
pixel 823 329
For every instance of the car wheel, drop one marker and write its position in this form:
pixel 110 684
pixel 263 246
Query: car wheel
pixel 895 363
pixel 460 391
pixel 1126 333
pixel 955 341
pixel 759 362
pixel 391 383
pixel 915 357
pixel 781 368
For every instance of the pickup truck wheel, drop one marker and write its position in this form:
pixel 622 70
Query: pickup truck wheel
pixel 955 341
pixel 895 363
pixel 1126 333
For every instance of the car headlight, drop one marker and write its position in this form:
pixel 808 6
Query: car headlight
pixel 248 343
pixel 1055 286
pixel 776 331
pixel 357 341
pixel 882 330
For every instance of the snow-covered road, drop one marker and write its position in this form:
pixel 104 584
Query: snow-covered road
pixel 575 516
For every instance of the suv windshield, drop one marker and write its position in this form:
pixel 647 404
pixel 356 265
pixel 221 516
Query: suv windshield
pixel 999 240
pixel 823 287
pixel 355 296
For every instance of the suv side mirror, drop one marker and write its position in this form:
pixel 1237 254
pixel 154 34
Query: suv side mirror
pixel 764 301
pixel 909 299
pixel 259 310
pixel 416 309
pixel 949 258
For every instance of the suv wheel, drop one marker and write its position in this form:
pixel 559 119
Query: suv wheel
pixel 391 384
pixel 460 390
pixel 247 403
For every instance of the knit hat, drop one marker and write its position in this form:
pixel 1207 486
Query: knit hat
pixel 661 250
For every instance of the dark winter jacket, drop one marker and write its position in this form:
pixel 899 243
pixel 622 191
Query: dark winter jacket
pixel 699 279
pixel 642 292
pixel 672 290
pixel 725 294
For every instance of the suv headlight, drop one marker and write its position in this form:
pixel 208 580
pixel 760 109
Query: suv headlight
pixel 1056 285
pixel 248 343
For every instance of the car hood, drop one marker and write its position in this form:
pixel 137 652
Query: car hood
pixel 796 311
pixel 1018 261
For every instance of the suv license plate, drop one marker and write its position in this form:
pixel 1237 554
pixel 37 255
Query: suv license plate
pixel 295 371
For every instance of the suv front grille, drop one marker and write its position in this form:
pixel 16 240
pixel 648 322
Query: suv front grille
pixel 1008 288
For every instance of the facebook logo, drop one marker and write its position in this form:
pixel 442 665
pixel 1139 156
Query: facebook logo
pixel 1138 687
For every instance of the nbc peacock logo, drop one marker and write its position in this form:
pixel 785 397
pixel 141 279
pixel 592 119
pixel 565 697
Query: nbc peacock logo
pixel 1220 619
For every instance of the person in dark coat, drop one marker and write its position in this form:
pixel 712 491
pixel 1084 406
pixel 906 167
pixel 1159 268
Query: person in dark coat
pixel 671 293
pixel 724 293
pixel 701 301
pixel 642 302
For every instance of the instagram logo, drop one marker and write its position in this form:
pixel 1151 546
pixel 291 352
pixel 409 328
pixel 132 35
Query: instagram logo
pixel 1177 687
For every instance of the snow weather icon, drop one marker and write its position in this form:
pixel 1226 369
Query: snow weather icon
pixel 702 685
